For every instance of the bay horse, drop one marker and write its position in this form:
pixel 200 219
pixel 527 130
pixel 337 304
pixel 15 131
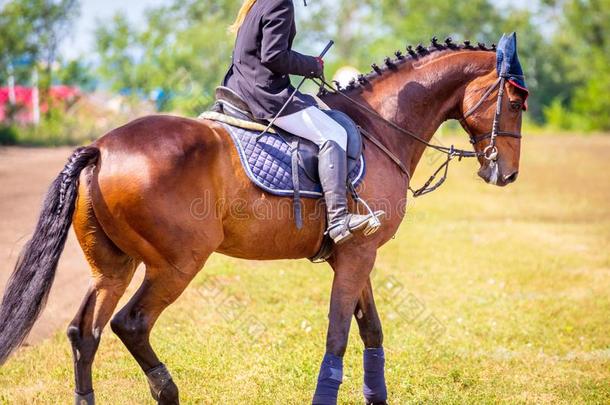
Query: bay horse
pixel 130 194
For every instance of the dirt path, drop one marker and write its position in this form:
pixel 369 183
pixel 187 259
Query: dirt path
pixel 25 175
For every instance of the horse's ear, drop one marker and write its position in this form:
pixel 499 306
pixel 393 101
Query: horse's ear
pixel 512 38
pixel 503 39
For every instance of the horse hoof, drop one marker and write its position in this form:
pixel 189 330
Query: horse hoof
pixel 376 403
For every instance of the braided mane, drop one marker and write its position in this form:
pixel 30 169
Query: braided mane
pixel 391 65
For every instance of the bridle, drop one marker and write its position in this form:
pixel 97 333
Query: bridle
pixel 490 153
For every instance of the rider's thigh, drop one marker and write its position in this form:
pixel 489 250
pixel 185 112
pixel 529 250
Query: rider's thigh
pixel 314 125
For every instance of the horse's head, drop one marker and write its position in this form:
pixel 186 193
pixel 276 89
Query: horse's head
pixel 493 106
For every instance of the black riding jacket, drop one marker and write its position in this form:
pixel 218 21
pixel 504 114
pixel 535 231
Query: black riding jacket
pixel 263 58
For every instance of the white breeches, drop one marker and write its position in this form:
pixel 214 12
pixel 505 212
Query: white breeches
pixel 314 125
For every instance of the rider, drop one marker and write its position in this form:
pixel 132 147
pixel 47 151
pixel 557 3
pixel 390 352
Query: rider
pixel 262 61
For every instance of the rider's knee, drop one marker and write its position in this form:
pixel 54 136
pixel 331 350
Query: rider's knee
pixel 339 135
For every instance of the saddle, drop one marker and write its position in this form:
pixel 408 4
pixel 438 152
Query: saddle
pixel 281 163
pixel 230 103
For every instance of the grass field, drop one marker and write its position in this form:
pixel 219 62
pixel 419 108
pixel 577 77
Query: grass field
pixel 487 295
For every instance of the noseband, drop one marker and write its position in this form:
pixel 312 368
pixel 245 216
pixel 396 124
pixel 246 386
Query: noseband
pixel 491 151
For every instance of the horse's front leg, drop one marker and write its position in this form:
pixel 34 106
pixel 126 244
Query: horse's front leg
pixel 352 267
pixel 369 324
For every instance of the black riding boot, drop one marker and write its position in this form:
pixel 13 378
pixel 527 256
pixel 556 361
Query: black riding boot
pixel 332 166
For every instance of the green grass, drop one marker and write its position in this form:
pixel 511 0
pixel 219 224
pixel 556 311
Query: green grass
pixel 487 295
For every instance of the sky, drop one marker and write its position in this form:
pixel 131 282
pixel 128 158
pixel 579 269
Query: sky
pixel 81 41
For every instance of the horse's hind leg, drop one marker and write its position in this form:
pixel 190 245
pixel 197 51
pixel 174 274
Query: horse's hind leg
pixel 112 271
pixel 375 391
pixel 133 324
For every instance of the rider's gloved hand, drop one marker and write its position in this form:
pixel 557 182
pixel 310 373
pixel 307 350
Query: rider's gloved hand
pixel 321 63
pixel 319 69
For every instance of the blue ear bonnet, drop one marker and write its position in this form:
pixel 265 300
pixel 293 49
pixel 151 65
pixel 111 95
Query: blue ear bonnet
pixel 508 64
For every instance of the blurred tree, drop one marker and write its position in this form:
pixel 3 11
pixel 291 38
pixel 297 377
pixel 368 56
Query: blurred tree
pixel 371 29
pixel 181 55
pixel 416 21
pixel 183 50
pixel 13 40
pixel 350 23
pixel 366 33
pixel 116 44
pixel 77 73
pixel 585 40
pixel 542 60
pixel 31 31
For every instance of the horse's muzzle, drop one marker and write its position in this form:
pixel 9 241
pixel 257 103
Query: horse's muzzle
pixel 493 173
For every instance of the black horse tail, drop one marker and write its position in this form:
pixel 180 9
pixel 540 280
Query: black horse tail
pixel 28 288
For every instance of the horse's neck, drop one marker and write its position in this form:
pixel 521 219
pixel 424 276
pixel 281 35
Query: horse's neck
pixel 418 98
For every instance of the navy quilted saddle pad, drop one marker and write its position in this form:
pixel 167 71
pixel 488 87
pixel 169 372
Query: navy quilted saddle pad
pixel 267 162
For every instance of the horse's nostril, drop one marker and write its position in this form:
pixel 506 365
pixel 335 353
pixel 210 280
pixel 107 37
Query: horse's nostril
pixel 511 177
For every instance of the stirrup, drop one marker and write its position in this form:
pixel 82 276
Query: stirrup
pixel 369 225
pixel 343 232
pixel 374 222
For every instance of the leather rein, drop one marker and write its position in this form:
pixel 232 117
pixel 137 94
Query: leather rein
pixel 490 153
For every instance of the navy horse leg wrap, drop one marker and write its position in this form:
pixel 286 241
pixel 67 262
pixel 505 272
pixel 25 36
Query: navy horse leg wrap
pixel 329 380
pixel 84 399
pixel 374 379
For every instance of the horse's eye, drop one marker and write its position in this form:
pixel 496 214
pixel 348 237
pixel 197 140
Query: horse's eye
pixel 516 106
